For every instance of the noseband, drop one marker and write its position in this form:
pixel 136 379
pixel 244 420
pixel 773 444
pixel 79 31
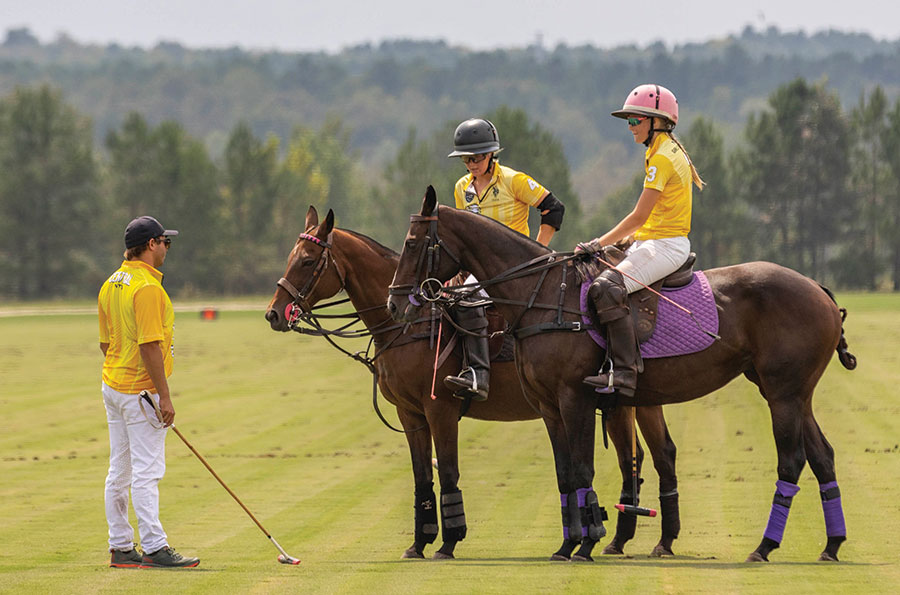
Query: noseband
pixel 429 289
pixel 300 305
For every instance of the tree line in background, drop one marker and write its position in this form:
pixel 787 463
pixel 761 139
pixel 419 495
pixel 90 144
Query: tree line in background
pixel 807 185
pixel 381 90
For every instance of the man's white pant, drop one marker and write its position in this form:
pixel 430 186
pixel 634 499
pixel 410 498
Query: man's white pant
pixel 649 261
pixel 137 459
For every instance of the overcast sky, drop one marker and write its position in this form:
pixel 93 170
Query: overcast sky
pixel 478 24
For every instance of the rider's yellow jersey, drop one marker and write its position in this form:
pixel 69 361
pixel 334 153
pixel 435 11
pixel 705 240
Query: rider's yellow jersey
pixel 506 199
pixel 669 171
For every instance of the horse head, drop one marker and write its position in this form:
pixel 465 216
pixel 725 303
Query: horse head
pixel 425 263
pixel 311 275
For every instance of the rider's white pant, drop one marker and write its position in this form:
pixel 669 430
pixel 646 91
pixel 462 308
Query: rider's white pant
pixel 648 261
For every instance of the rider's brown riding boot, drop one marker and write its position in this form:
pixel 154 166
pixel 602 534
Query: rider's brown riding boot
pixel 473 380
pixel 611 301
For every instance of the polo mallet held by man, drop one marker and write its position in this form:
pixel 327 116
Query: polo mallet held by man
pixel 283 557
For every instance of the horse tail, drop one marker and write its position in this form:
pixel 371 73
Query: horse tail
pixel 848 360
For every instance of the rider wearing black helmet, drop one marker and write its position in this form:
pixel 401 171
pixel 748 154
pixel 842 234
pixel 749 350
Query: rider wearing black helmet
pixel 503 194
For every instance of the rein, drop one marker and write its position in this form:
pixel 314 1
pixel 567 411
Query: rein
pixel 302 312
pixel 430 288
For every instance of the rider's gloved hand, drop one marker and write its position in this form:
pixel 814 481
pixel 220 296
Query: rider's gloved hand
pixel 592 247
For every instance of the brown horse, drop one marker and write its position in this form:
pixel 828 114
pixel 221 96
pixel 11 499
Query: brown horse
pixel 326 260
pixel 776 327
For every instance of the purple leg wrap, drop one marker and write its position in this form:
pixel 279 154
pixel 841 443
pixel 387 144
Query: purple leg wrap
pixel 781 506
pixel 582 495
pixel 834 512
pixel 564 503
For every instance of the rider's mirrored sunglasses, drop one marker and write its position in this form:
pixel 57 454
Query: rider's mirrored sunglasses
pixel 635 120
pixel 473 158
pixel 165 240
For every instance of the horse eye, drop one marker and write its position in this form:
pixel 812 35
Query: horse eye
pixel 410 244
pixel 307 262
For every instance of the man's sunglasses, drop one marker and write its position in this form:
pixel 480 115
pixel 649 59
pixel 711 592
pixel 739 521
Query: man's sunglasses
pixel 473 158
pixel 635 120
pixel 165 240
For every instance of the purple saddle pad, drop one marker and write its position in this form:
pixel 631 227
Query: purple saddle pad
pixel 676 333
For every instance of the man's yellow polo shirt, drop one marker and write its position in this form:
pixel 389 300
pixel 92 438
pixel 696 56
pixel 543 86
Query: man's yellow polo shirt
pixel 668 171
pixel 506 199
pixel 134 309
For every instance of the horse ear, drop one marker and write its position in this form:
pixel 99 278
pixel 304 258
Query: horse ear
pixel 430 201
pixel 312 218
pixel 328 226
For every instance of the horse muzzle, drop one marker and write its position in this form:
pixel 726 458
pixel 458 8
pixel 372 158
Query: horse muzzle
pixel 402 308
pixel 278 320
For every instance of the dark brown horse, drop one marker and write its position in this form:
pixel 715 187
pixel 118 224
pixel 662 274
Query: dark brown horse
pixel 324 261
pixel 777 328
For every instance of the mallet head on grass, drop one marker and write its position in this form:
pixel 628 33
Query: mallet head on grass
pixel 635 510
pixel 285 559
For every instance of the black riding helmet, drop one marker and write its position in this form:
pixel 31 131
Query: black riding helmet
pixel 474 137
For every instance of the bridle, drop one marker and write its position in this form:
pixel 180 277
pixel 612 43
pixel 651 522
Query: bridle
pixel 301 311
pixel 300 304
pixel 429 288
pixel 432 290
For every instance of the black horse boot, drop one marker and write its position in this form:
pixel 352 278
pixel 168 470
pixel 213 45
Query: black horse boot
pixel 611 301
pixel 474 379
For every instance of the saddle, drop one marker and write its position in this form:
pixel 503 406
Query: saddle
pixel 644 303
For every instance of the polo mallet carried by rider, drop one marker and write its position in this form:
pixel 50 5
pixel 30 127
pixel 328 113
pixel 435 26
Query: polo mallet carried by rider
pixel 283 557
pixel 634 508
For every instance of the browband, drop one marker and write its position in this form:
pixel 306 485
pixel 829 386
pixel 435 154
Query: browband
pixel 315 240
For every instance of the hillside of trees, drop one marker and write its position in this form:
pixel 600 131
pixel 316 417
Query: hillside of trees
pixel 795 135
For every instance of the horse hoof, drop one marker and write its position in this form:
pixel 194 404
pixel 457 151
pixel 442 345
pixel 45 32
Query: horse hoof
pixel 612 550
pixel 412 554
pixel 755 557
pixel 559 558
pixel 826 557
pixel 581 558
pixel 442 556
pixel 661 551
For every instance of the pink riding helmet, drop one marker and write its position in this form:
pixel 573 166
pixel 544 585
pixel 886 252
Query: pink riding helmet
pixel 650 100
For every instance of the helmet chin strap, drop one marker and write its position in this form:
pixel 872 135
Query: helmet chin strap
pixel 652 133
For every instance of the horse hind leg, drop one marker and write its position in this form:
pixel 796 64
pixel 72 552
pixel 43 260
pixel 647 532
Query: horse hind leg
pixel 787 425
pixel 662 450
pixel 821 460
pixel 618 427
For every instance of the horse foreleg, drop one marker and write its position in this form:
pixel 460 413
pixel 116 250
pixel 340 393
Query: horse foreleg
pixel 820 455
pixel 426 523
pixel 787 426
pixel 580 425
pixel 442 418
pixel 571 516
pixel 662 450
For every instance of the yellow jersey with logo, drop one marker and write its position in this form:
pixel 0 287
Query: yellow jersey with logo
pixel 506 199
pixel 134 309
pixel 669 171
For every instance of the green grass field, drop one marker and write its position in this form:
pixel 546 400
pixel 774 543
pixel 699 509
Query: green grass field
pixel 287 422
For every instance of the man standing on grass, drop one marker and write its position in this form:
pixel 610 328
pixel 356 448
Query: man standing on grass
pixel 136 323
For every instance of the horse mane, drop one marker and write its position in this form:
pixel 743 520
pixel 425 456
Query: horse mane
pixel 500 227
pixel 376 246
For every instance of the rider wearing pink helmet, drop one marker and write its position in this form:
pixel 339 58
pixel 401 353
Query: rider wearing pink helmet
pixel 660 223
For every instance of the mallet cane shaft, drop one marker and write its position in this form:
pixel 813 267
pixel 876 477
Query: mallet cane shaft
pixel 629 508
pixel 284 558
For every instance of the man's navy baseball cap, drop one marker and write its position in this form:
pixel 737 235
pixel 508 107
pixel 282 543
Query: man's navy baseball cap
pixel 143 229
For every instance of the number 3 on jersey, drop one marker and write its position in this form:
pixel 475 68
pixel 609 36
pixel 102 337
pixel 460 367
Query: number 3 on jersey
pixel 651 173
